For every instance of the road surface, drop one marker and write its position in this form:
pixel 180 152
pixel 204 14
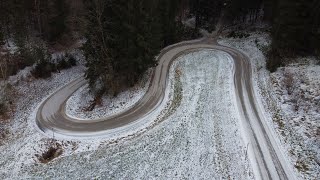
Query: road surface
pixel 264 154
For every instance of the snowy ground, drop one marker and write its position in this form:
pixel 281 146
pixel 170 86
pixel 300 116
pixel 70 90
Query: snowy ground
pixel 75 106
pixel 199 139
pixel 297 88
pixel 23 141
pixel 293 118
pixel 196 137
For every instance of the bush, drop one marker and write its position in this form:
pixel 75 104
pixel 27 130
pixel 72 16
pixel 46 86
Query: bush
pixel 43 69
pixel 63 64
pixel 72 61
pixel 27 56
pixel 66 62
pixel 54 151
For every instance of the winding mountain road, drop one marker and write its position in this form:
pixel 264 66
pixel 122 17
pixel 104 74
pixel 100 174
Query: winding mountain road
pixel 263 152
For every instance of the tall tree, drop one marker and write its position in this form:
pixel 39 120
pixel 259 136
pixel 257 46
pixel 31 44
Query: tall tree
pixel 123 38
pixel 242 10
pixel 295 30
pixel 167 12
pixel 294 26
pixel 99 63
pixel 206 12
pixel 57 25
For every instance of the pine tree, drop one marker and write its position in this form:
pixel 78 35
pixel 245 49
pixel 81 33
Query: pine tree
pixel 206 12
pixel 57 25
pixel 269 8
pixel 242 10
pixel 170 25
pixel 122 40
pixel 294 27
pixel 100 71
pixel 295 30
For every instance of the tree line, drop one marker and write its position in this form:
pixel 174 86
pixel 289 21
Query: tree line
pixel 295 23
pixel 45 19
pixel 124 36
pixel 295 30
pixel 35 26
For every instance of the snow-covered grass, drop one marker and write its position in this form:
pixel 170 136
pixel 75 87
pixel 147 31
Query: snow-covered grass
pixel 293 118
pixel 76 105
pixel 195 136
pixel 23 141
pixel 197 140
pixel 297 88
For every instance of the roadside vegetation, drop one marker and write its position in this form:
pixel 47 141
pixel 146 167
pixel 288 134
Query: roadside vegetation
pixel 53 151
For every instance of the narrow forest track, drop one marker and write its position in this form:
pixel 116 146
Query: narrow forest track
pixel 263 152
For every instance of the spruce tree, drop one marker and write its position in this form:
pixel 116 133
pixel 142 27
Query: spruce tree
pixel 295 27
pixel 295 31
pixel 98 61
pixel 123 38
pixel 57 24
pixel 206 12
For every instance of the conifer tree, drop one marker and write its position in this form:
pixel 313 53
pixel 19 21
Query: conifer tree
pixel 206 12
pixel 123 38
pixel 295 30
pixel 57 25
pixel 294 27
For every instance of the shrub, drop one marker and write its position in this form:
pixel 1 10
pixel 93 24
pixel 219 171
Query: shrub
pixel 63 64
pixel 43 69
pixel 27 56
pixel 55 150
pixel 72 61
pixel 66 62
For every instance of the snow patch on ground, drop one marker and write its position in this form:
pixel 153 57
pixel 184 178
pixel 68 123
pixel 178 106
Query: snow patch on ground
pixel 24 141
pixel 110 105
pixel 297 88
pixel 297 131
pixel 195 137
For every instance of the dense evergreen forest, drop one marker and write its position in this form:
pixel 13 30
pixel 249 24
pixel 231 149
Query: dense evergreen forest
pixel 124 36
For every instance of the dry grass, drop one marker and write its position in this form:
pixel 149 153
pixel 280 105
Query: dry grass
pixel 54 151
pixel 288 82
pixel 301 166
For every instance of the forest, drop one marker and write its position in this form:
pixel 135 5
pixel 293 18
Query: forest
pixel 123 37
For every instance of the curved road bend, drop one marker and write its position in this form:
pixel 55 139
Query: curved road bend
pixel 265 158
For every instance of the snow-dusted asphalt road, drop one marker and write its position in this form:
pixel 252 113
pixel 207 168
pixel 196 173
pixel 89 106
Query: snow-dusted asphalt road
pixel 265 157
